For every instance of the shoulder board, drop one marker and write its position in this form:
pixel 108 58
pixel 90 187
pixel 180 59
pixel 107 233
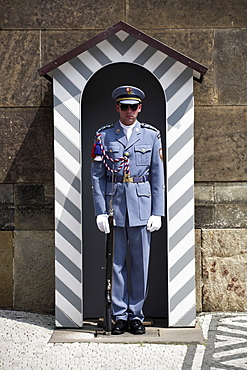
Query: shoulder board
pixel 146 125
pixel 105 127
pixel 150 127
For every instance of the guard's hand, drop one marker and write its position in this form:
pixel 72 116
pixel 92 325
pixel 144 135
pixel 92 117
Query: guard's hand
pixel 154 223
pixel 103 223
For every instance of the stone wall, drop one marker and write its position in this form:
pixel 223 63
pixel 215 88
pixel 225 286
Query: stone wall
pixel 33 34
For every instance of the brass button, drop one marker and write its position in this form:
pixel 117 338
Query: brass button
pixel 143 150
pixel 127 154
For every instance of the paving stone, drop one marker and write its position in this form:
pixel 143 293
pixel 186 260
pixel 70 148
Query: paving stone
pixel 18 351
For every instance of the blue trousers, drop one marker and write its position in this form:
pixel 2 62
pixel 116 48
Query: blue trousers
pixel 128 305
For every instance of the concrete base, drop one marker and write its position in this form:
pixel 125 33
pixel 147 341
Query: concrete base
pixel 92 333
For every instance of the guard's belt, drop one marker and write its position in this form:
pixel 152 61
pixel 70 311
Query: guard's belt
pixel 134 179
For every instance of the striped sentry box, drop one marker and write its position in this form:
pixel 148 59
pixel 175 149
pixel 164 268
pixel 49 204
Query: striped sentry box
pixel 70 74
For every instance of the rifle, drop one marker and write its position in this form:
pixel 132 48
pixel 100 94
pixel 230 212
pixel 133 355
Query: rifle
pixel 109 268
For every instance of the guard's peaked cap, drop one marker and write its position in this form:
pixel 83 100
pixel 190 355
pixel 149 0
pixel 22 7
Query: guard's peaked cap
pixel 128 95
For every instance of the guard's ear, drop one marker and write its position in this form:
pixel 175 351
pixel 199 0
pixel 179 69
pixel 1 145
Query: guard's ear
pixel 139 109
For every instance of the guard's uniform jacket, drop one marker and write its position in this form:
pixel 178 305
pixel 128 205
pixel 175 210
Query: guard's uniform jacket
pixel 141 196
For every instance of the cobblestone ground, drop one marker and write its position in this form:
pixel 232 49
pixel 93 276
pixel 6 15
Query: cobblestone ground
pixel 227 342
pixel 24 344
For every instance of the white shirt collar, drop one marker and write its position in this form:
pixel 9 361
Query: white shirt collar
pixel 127 129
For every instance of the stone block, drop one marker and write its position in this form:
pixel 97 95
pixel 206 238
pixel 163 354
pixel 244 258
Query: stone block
pixel 47 93
pixel 224 260
pixel 186 14
pixel 29 194
pixel 230 216
pixel 24 14
pixel 220 144
pixel 19 61
pixel 61 14
pixel 204 216
pixel 6 194
pixel 34 271
pixel 230 66
pixel 49 194
pixel 81 14
pixel 197 45
pixel 7 218
pixel 204 193
pixel 6 269
pixel 34 218
pixel 198 270
pixel 57 43
pixel 26 153
pixel 235 192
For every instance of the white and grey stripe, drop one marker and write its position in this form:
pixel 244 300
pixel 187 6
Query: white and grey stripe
pixel 69 82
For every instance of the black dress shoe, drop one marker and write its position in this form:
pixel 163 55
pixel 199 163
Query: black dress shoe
pixel 136 327
pixel 120 327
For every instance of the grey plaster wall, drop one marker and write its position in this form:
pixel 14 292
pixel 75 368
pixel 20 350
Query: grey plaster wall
pixel 34 33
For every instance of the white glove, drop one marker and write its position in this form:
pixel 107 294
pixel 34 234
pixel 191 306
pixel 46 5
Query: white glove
pixel 154 223
pixel 103 223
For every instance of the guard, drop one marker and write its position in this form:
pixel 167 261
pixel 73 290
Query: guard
pixel 127 171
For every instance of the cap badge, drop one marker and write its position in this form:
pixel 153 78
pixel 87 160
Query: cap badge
pixel 129 90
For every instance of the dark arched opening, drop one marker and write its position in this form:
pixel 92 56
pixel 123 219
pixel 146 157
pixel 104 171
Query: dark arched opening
pixel 98 109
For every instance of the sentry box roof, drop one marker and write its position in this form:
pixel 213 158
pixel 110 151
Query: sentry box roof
pixel 129 36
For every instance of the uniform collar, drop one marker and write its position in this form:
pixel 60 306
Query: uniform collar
pixel 120 136
pixel 130 127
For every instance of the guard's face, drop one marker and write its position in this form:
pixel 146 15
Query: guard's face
pixel 128 115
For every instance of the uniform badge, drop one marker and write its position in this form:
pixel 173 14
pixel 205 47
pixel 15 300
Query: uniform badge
pixel 161 154
pixel 128 90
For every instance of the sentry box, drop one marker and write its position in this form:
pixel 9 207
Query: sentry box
pixel 83 80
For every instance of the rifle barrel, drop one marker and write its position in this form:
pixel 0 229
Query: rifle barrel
pixel 108 282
